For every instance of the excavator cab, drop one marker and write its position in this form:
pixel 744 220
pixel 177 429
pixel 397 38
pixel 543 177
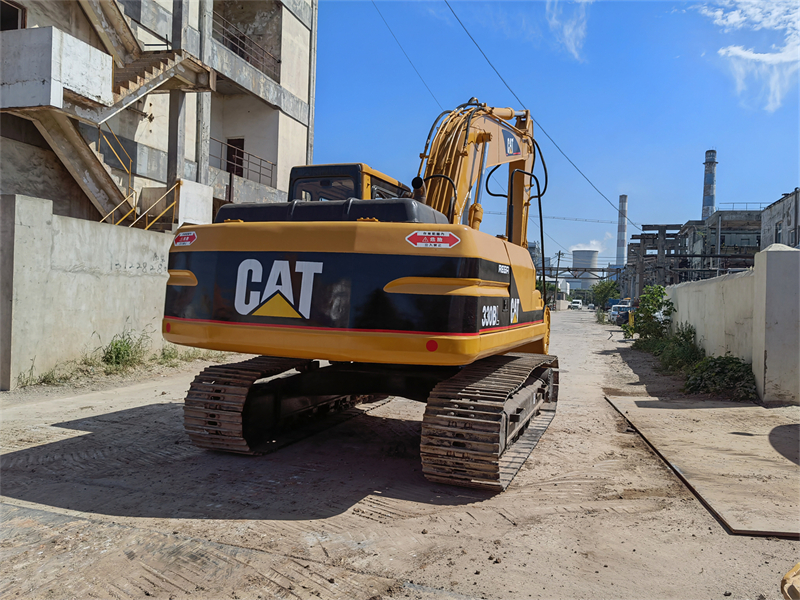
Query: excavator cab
pixel 342 182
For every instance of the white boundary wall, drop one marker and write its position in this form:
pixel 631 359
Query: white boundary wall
pixel 69 285
pixel 754 315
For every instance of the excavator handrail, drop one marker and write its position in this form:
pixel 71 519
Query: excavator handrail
pixel 541 221
pixel 455 191
pixel 487 182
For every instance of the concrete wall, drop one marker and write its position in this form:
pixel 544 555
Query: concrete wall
pixel 67 16
pixel 244 116
pixel 244 190
pixel 75 284
pixel 28 167
pixel 37 65
pixel 754 315
pixel 292 141
pixel 720 310
pixel 776 324
pixel 246 76
pixel 295 42
pixel 260 20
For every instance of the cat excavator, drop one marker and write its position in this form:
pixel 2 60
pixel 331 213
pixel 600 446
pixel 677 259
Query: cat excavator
pixel 360 287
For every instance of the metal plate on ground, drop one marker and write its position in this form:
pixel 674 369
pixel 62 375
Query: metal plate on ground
pixel 740 459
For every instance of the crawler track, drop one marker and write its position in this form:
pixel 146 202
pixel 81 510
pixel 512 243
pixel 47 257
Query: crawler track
pixel 212 412
pixel 480 425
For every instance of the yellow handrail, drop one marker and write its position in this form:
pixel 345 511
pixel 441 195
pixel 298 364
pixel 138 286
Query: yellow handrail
pixel 177 184
pixel 113 210
pixel 120 143
pixel 129 168
pixel 154 221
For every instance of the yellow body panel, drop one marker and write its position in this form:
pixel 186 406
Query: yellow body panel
pixel 357 346
pixel 296 337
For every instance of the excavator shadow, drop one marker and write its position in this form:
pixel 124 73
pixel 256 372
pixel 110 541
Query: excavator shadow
pixel 139 463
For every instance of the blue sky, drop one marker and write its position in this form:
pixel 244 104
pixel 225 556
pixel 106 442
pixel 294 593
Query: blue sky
pixel 633 92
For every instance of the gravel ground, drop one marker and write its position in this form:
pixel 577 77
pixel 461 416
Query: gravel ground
pixel 103 496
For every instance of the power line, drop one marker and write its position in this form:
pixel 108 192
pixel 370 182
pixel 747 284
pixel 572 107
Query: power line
pixel 494 212
pixel 579 219
pixel 564 154
pixel 406 55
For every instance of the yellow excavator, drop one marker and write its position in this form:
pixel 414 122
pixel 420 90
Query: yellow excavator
pixel 396 290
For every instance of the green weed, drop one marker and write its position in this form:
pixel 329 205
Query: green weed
pixel 125 350
pixel 728 375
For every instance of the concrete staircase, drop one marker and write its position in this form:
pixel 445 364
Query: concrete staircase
pixel 113 29
pixel 84 163
pixel 139 73
pixel 149 72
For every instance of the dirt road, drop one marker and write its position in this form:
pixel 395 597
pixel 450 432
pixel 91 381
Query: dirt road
pixel 103 496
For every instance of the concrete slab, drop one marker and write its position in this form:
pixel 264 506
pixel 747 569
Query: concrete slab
pixel 742 460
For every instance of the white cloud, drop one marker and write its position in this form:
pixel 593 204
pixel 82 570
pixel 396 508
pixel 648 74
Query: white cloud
pixel 777 70
pixel 599 245
pixel 570 30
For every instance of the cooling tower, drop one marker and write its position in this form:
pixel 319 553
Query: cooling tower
pixel 585 259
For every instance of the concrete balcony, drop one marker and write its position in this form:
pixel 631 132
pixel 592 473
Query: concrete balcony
pixel 46 68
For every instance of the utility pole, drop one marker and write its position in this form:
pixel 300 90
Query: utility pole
pixel 558 265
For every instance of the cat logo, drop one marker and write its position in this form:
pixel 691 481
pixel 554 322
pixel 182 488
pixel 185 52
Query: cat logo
pixel 277 297
pixel 515 310
pixel 512 146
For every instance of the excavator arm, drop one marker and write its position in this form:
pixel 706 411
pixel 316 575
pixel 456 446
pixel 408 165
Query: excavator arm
pixel 463 147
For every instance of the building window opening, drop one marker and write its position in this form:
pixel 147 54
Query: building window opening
pixel 778 232
pixel 234 161
pixel 12 16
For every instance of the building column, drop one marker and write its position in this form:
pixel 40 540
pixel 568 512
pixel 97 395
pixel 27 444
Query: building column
pixel 312 82
pixel 176 145
pixel 203 134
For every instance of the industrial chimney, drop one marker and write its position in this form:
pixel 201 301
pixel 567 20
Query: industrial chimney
pixel 622 230
pixel 710 184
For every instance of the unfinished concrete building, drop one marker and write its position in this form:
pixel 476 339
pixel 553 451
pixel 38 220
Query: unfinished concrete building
pixel 725 242
pixel 107 104
pixel 779 221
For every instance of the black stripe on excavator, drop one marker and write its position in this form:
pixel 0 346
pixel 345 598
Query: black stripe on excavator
pixel 338 291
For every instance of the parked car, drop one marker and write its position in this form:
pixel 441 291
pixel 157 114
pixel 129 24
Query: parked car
pixel 623 315
pixel 576 305
pixel 590 307
pixel 612 314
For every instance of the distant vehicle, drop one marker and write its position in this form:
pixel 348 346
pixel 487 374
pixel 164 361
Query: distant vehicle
pixel 612 315
pixel 590 307
pixel 576 305
pixel 610 303
pixel 625 302
pixel 623 315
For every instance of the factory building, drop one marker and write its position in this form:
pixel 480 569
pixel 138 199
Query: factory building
pixel 108 104
pixel 779 221
pixel 723 241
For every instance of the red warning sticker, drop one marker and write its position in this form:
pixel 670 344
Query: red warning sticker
pixel 185 239
pixel 433 239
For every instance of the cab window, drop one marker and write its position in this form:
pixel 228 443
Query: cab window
pixel 384 189
pixel 324 188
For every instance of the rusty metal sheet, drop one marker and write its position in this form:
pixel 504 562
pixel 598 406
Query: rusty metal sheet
pixel 741 460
